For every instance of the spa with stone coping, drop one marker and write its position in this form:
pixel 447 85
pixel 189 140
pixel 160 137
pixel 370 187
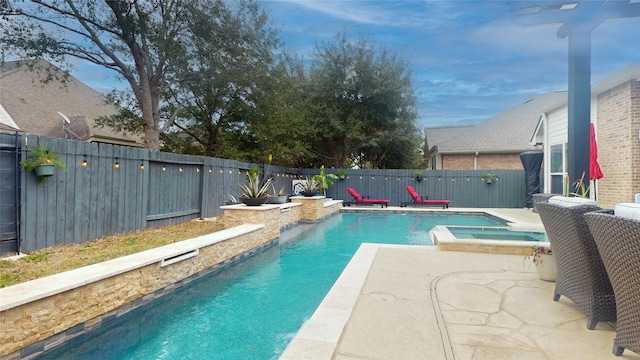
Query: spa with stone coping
pixel 41 314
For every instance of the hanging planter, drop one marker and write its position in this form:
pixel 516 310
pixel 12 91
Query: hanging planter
pixel 43 162
pixel 341 174
pixel 44 170
pixel 488 177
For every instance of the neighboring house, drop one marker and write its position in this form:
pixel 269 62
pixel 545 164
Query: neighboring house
pixel 30 106
pixel 615 113
pixel 493 144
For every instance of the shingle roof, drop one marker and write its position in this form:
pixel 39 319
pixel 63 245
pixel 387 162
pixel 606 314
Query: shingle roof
pixel 441 134
pixel 508 132
pixel 34 106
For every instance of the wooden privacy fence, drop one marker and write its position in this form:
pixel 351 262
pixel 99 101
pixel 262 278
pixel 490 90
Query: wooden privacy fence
pixel 109 189
pixel 465 188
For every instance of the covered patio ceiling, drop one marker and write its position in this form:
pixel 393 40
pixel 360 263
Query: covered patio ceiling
pixel 578 19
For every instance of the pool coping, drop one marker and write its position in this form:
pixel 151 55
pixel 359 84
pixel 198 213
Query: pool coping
pixel 323 329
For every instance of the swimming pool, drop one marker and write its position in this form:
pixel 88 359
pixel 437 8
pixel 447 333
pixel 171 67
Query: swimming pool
pixel 253 309
pixel 496 233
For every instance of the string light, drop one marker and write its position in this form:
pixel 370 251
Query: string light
pixel 141 164
pixel 116 165
pixel 164 168
pixel 180 169
pixel 84 161
pixel 197 169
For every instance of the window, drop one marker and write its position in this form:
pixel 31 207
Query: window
pixel 557 157
pixel 557 168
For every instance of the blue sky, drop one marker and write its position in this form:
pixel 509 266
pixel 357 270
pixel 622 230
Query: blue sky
pixel 469 60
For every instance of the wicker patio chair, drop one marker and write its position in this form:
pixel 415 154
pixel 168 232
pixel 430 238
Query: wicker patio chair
pixel 581 275
pixel 618 240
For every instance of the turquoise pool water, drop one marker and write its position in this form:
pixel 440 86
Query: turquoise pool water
pixel 253 309
pixel 495 233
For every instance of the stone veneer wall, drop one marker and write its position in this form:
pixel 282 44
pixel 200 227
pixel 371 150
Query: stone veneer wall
pixel 618 143
pixel 316 207
pixel 290 215
pixel 35 326
pixel 269 215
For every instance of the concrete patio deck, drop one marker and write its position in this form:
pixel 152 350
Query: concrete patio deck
pixel 410 302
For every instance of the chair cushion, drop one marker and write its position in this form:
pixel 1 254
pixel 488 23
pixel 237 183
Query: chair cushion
pixel 627 210
pixel 567 201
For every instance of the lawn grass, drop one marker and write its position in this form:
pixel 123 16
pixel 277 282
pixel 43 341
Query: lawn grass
pixel 58 259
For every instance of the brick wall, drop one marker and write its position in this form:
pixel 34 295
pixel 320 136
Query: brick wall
pixel 618 143
pixel 484 162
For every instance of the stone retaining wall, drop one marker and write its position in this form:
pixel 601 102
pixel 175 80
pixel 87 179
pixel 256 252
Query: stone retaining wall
pixel 316 208
pixel 29 326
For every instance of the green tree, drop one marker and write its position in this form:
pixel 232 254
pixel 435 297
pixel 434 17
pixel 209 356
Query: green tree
pixel 218 82
pixel 144 42
pixel 362 103
pixel 282 130
pixel 395 150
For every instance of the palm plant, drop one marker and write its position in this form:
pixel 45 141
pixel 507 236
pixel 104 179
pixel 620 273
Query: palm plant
pixel 323 180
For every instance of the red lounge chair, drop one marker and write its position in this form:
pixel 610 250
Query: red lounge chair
pixel 418 200
pixel 364 200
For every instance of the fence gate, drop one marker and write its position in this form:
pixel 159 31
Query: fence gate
pixel 9 194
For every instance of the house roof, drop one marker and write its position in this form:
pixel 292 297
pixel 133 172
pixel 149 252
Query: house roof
pixel 441 134
pixel 507 132
pixel 34 106
pixel 6 122
pixel 629 72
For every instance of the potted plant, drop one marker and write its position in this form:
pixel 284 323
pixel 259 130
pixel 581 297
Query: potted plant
pixel 42 161
pixel 418 175
pixel 277 196
pixel 310 187
pixel 542 258
pixel 231 200
pixel 580 189
pixel 488 177
pixel 255 193
pixel 341 174
pixel 323 180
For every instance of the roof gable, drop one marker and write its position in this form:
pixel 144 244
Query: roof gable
pixel 34 106
pixel 509 131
